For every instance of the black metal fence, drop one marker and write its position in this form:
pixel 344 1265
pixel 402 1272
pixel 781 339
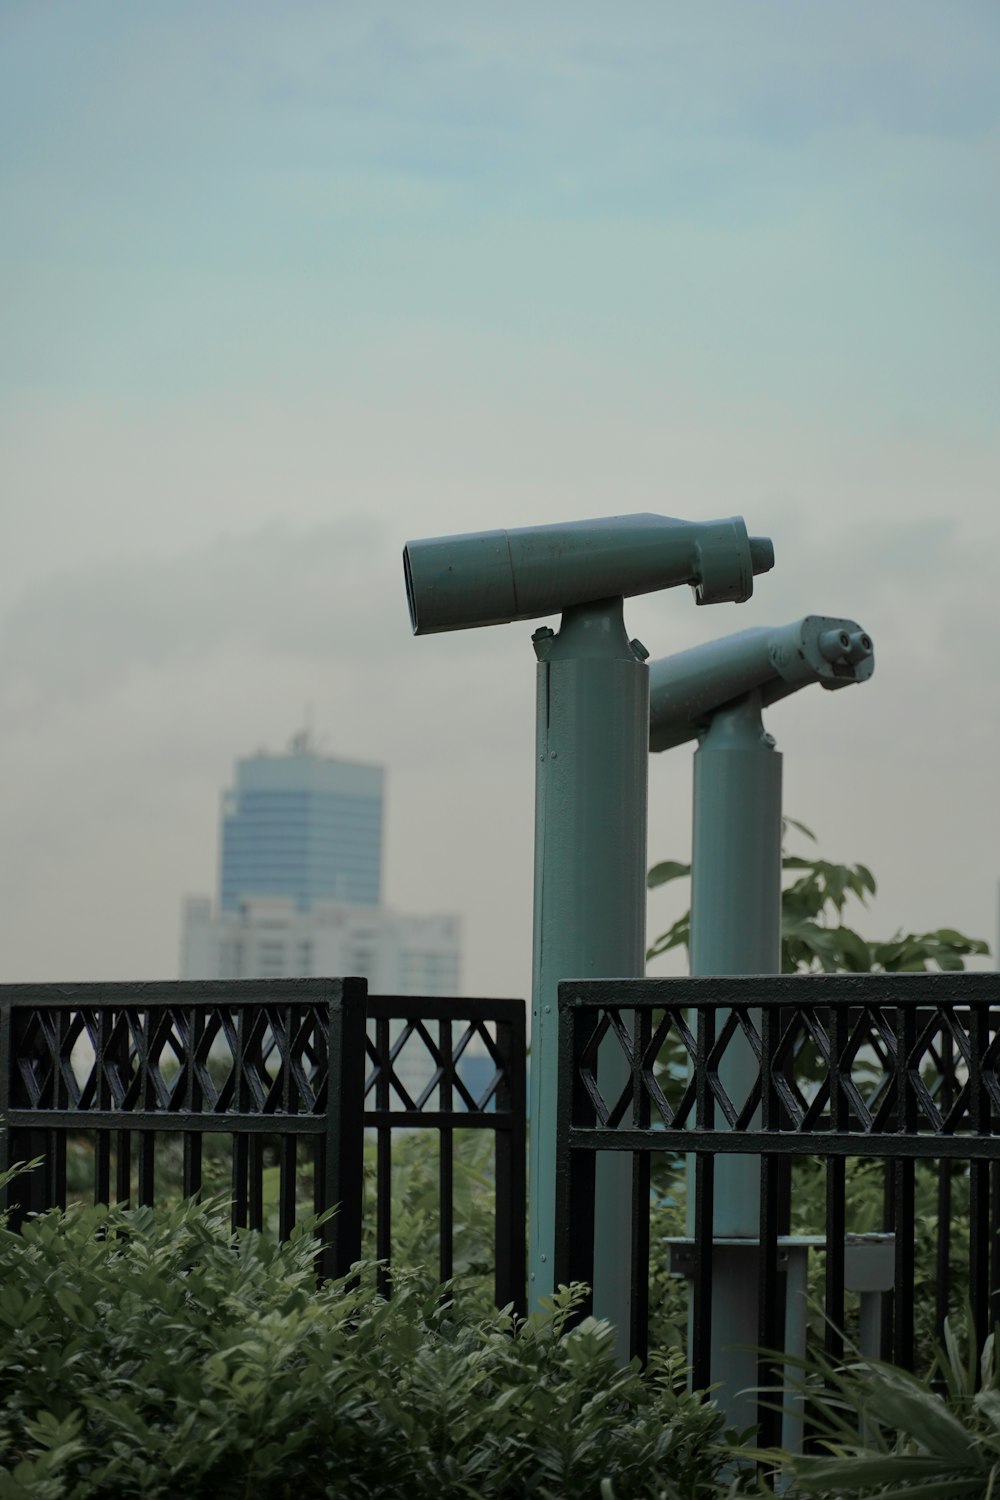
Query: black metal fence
pixel 257 1087
pixel 435 1037
pixel 895 1077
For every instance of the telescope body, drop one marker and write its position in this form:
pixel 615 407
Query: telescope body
pixel 687 689
pixel 496 577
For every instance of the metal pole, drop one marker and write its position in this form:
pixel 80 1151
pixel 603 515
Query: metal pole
pixel 590 902
pixel 736 929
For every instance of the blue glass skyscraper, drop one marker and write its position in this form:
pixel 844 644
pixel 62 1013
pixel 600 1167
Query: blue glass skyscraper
pixel 304 827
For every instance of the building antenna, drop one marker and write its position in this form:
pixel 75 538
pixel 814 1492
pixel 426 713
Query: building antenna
pixel 302 741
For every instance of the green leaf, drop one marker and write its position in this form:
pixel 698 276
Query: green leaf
pixel 677 936
pixel 957 939
pixel 667 870
pixel 898 1476
pixel 854 951
pixel 794 823
pixel 904 1404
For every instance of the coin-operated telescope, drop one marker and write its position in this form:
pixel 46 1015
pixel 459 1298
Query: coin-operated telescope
pixel 591 778
pixel 495 577
pixel 715 694
pixel 687 690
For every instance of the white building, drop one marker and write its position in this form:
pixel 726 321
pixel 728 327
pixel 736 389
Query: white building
pixel 270 938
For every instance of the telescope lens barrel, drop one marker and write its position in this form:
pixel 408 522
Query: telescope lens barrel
pixel 850 646
pixel 835 645
pixel 761 554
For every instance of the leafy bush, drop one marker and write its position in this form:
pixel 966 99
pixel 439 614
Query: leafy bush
pixel 889 1434
pixel 813 936
pixel 416 1209
pixel 154 1353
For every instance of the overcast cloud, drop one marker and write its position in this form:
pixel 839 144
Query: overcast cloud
pixel 285 285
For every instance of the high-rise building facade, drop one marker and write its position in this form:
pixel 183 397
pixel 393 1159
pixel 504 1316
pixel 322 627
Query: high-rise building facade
pixel 302 827
pixel 300 880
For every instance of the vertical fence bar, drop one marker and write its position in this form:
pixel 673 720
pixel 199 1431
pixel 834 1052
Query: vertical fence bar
pixel 942 1258
pixel 446 1162
pixel 192 1163
pixel 979 1177
pixel 904 1188
pixel 642 1023
pixel 769 1302
pixel 194 1099
pixel 836 1235
pixel 241 1160
pixel 60 1093
pixel 509 1146
pixel 255 1184
pixel 123 1167
pixel 55 1142
pixel 701 1281
pixel 979 1255
pixel 836 1185
pixel 286 1073
pixel 102 1166
pixel 575 1165
pixel 146 1186
pixel 704 1208
pixel 120 1055
pixel 383 1159
pixel 287 1167
pixel 769 1309
pixel 343 1163
pixel 27 1193
pixel 993 1311
pixel 786 1069
pixel 990 1124
pixel 7 1157
pixel 18 1145
pixel 102 1099
pixel 57 1168
pixel 888 1319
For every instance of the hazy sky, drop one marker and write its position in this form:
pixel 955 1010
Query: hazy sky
pixel 286 284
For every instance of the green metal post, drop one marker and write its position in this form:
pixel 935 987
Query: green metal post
pixel 716 692
pixel 590 901
pixel 736 929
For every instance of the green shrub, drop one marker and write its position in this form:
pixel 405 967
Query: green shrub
pixel 416 1210
pixel 889 1434
pixel 153 1353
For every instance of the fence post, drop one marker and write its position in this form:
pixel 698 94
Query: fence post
pixel 575 1177
pixel 342 1147
pixel 34 1192
pixel 510 1248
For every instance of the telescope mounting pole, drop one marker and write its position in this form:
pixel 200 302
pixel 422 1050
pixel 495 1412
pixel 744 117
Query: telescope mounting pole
pixel 590 903
pixel 736 929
